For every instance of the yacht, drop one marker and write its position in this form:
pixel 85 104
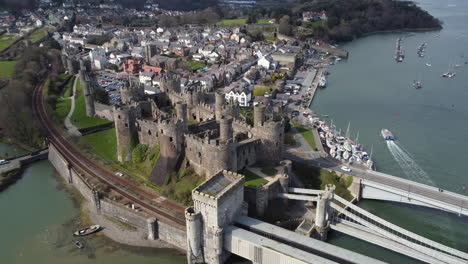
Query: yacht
pixel 448 74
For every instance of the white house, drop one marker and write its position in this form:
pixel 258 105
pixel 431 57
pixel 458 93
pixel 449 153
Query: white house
pixel 239 92
pixel 146 77
pixel 99 62
pixel 267 63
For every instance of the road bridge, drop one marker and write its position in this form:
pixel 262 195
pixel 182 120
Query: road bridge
pixel 357 222
pixel 18 162
pixel 375 185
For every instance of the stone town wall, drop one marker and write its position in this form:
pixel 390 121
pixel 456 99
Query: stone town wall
pixel 175 237
pixel 104 111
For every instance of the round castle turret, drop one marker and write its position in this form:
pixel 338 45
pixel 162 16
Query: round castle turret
pixel 124 119
pixel 181 110
pixel 170 82
pixel 259 115
pixel 271 133
pixel 225 129
pixel 132 91
pixel 220 102
pixel 194 236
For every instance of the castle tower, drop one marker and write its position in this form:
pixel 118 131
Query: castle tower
pixel 181 111
pixel 194 236
pixel 170 82
pixel 259 115
pixel 220 102
pixel 132 91
pixel 216 208
pixel 124 119
pixel 225 129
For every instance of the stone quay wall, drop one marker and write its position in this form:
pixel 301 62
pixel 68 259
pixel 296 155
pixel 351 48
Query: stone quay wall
pixel 148 231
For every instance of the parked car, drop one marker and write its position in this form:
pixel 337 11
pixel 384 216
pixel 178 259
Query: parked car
pixel 119 174
pixel 4 162
pixel 346 168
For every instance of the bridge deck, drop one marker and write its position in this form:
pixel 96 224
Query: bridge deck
pixel 259 249
pixel 17 162
pixel 308 244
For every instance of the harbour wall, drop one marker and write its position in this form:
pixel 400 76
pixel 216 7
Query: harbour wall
pixel 146 230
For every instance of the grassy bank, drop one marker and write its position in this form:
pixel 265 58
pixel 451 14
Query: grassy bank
pixel 7 68
pixel 62 108
pixel 315 178
pixel 252 179
pixel 79 117
pixel 37 34
pixel 103 143
pixel 8 178
pixel 306 134
pixel 233 22
pixel 6 41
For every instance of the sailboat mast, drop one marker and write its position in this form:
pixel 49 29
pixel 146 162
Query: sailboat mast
pixel 347 130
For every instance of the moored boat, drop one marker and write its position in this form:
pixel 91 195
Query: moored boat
pixel 87 230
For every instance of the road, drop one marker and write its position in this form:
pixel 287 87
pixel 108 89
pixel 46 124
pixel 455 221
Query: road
pixel 15 163
pixel 430 192
pixel 163 209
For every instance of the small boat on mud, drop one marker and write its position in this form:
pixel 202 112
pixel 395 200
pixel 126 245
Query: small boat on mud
pixel 87 230
pixel 79 245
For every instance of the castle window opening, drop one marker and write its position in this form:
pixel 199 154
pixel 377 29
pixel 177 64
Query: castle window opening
pixel 171 139
pixel 118 116
pixel 149 132
pixel 162 132
pixel 126 124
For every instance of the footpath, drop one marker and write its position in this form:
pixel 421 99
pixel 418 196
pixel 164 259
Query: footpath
pixel 72 129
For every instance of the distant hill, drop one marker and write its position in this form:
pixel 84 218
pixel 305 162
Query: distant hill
pixel 182 5
pixel 348 19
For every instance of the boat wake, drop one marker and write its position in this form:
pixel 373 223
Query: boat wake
pixel 408 164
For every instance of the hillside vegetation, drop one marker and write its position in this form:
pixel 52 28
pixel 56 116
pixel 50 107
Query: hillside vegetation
pixel 348 19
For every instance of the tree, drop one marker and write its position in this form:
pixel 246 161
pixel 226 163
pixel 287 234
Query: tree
pixel 101 96
pixel 285 27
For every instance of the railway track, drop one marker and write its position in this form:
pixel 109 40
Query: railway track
pixel 165 210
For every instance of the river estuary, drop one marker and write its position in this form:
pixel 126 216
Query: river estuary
pixel 37 220
pixel 372 91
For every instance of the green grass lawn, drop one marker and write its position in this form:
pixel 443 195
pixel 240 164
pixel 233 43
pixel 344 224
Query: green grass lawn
pixel 6 40
pixel 252 179
pixel 270 38
pixel 103 143
pixel 269 171
pixel 307 134
pixel 232 22
pixel 79 117
pixel 62 108
pixel 315 178
pixel 260 90
pixel 69 88
pixel 37 34
pixel 7 68
pixel 194 65
pixel 263 21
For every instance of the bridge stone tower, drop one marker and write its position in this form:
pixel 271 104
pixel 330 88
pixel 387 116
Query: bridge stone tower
pixel 217 202
pixel 324 212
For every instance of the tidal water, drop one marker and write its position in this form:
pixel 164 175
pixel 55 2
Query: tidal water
pixel 371 91
pixel 38 217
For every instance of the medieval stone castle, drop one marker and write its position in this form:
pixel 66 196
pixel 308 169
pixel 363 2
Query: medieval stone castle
pixel 217 138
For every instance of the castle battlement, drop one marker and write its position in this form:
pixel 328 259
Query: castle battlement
pixel 207 142
pixel 219 186
pixel 242 123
